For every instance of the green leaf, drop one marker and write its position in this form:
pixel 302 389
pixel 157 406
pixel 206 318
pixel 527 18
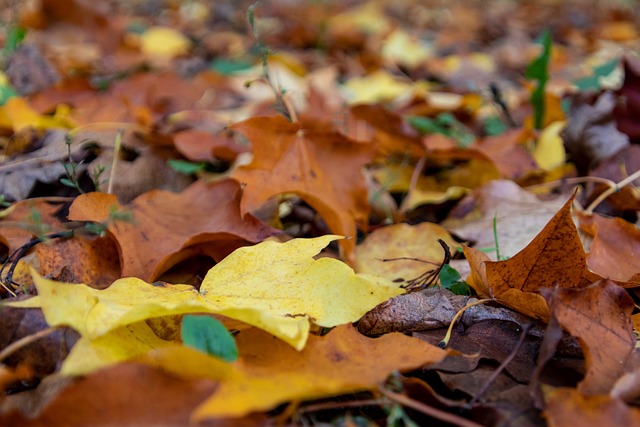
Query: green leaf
pixel 230 66
pixel 539 70
pixel 14 37
pixel 445 124
pixel 593 82
pixel 449 276
pixel 186 167
pixel 6 93
pixel 208 335
pixel 450 279
pixel 494 126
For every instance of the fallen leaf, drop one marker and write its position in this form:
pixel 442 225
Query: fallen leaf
pixel 164 42
pixel 590 136
pixel 22 221
pixel 555 257
pixel 417 242
pixel 625 113
pixel 519 216
pixel 342 361
pixel 129 395
pixel 600 317
pixel 505 151
pixel 549 152
pixel 614 250
pixel 567 407
pixel 19 175
pixel 165 224
pixel 274 286
pixel 80 260
pixel 320 165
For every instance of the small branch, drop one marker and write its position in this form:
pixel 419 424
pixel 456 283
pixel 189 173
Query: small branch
pixel 428 410
pixel 114 162
pixel 612 189
pixel 23 342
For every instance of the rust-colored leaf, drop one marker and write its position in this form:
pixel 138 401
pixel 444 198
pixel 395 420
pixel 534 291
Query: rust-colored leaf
pixel 554 257
pixel 80 260
pixel 615 248
pixel 568 407
pixel 320 165
pixel 600 317
pixel 341 362
pixel 130 394
pixel 163 224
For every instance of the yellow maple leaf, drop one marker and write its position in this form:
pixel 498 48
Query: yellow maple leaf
pixel 274 286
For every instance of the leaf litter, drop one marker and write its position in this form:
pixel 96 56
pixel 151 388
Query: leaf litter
pixel 291 170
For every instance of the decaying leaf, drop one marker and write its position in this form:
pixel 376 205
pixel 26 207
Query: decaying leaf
pixel 163 225
pixel 600 317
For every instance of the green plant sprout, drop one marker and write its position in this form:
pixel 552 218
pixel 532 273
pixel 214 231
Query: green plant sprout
pixel 71 169
pixel 445 124
pixel 539 70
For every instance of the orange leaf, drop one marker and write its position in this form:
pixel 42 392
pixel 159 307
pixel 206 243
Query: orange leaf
pixel 342 361
pixel 614 250
pixel 20 221
pixel 320 165
pixel 80 260
pixel 128 394
pixel 554 257
pixel 600 317
pixel 165 225
pixel 568 408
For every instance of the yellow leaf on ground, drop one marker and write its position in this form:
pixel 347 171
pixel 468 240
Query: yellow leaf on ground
pixel 378 86
pixel 119 345
pixel 343 361
pixel 273 286
pixel 418 242
pixel 164 42
pixel 549 152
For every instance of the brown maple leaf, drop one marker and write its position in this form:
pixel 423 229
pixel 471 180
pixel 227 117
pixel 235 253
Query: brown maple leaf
pixel 317 163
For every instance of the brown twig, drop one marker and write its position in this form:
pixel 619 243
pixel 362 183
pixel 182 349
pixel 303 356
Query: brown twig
pixel 23 342
pixel 428 410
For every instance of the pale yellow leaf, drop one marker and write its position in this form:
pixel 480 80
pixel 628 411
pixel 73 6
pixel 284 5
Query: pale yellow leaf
pixel 549 152
pixel 164 42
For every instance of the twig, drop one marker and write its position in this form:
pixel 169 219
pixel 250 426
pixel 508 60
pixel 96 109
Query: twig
pixel 612 189
pixel 324 406
pixel 428 410
pixel 114 162
pixel 24 341
pixel 503 365
pixel 572 181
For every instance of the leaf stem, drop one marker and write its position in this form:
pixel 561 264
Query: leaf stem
pixel 447 337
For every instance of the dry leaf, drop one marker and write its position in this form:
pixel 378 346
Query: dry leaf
pixel 164 224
